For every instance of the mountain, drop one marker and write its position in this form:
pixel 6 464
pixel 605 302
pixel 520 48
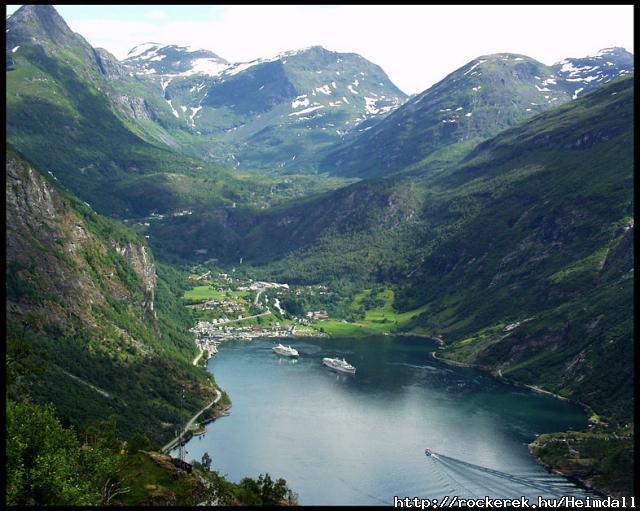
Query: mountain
pixel 37 34
pixel 136 117
pixel 536 281
pixel 533 227
pixel 76 112
pixel 482 98
pixel 275 113
pixel 172 60
pixel 85 293
pixel 581 75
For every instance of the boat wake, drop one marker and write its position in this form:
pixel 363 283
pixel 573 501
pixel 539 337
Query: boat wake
pixel 476 481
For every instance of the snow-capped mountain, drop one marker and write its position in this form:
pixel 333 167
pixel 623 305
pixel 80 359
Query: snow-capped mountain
pixel 152 58
pixel 294 104
pixel 487 95
pixel 581 75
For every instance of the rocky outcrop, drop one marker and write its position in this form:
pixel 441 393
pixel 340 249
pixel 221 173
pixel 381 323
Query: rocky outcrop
pixel 40 251
pixel 135 107
pixel 139 257
pixel 108 64
pixel 55 250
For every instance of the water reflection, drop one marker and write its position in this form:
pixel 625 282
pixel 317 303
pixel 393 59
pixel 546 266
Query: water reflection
pixel 360 439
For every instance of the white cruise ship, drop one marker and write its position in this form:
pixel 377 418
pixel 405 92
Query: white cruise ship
pixel 285 351
pixel 339 365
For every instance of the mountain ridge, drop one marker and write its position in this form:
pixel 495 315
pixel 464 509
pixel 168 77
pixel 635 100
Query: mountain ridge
pixel 259 111
pixel 486 95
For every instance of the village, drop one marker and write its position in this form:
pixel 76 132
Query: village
pixel 228 307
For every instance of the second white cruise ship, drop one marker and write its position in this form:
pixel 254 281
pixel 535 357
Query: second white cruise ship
pixel 285 351
pixel 339 365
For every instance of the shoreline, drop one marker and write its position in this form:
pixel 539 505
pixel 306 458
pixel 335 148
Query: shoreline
pixel 171 445
pixel 497 375
pixel 503 379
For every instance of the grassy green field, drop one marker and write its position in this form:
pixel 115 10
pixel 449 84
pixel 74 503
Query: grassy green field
pixel 377 320
pixel 211 293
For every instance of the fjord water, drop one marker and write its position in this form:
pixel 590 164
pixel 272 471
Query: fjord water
pixel 341 439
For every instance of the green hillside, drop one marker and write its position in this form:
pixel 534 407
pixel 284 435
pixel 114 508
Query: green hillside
pixel 85 293
pixel 78 115
pixel 489 94
pixel 274 115
pixel 544 235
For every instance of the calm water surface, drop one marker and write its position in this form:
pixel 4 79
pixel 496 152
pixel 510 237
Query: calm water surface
pixel 341 439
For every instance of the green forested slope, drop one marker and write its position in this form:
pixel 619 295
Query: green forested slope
pixel 84 292
pixel 76 113
pixel 545 236
pixel 482 98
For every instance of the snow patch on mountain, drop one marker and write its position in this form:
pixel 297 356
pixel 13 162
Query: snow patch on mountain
pixel 370 105
pixel 480 61
pixel 307 110
pixel 136 51
pixel 173 110
pixel 197 88
pixel 205 66
pixel 300 102
pixel 194 111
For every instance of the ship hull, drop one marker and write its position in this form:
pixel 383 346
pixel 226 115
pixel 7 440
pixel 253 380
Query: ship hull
pixel 339 369
pixel 285 353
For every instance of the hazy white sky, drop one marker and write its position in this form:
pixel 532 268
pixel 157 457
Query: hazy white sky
pixel 417 45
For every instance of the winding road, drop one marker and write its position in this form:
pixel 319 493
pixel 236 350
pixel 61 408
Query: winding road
pixel 175 441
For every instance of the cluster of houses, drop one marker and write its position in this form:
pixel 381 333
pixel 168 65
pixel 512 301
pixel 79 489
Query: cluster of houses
pixel 228 307
pixel 204 277
pixel 158 216
pixel 318 315
pixel 262 286
pixel 209 336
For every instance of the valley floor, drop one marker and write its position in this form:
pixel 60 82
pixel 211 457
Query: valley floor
pixel 228 307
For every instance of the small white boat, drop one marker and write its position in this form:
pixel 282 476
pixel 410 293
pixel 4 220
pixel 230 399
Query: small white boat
pixel 427 452
pixel 339 365
pixel 285 351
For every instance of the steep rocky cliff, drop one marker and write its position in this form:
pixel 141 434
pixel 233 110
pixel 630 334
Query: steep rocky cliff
pixel 81 291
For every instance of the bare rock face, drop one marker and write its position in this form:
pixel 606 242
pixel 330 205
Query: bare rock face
pixel 140 260
pixel 108 64
pixel 52 251
pixel 38 227
pixel 28 192
pixel 135 107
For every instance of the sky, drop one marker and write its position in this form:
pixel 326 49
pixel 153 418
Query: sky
pixel 417 45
